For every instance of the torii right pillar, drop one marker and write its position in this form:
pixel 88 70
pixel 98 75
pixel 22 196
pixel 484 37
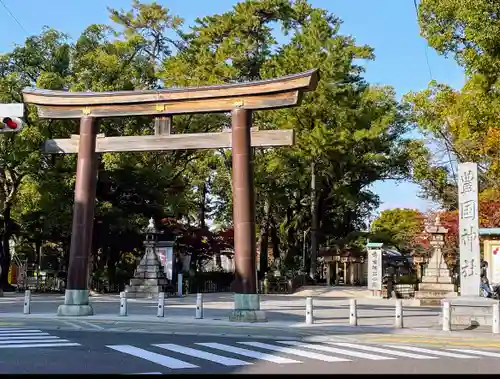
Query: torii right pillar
pixel 246 298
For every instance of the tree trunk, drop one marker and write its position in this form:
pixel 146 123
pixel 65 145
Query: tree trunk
pixel 203 206
pixel 314 223
pixel 264 240
pixel 274 239
pixel 5 257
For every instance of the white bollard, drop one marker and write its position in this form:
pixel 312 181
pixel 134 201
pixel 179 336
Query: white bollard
pixel 309 310
pixel 496 318
pixel 353 313
pixel 161 304
pixel 446 316
pixel 123 303
pixel 179 284
pixel 398 322
pixel 27 302
pixel 199 306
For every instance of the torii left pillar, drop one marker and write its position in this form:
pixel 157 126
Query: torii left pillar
pixel 76 298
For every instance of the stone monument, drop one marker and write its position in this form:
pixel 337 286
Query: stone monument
pixel 437 282
pixel 469 308
pixel 375 263
pixel 149 277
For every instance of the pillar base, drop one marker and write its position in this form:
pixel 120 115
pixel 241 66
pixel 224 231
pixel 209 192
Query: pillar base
pixel 247 308
pixel 76 303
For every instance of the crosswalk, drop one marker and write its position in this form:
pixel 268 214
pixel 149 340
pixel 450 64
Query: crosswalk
pixel 244 353
pixel 22 338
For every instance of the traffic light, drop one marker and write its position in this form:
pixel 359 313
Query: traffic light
pixel 10 117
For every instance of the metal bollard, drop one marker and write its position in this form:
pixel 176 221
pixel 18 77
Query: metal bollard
pixel 161 304
pixel 179 284
pixel 353 313
pixel 123 303
pixel 199 306
pixel 446 316
pixel 309 310
pixel 398 322
pixel 27 302
pixel 496 318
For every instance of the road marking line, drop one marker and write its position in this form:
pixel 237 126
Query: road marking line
pixel 478 352
pixel 27 337
pixel 225 361
pixel 382 351
pixel 248 353
pixel 22 334
pixel 40 345
pixel 300 353
pixel 97 327
pixel 162 360
pixel 329 349
pixel 72 324
pixel 428 351
pixel 48 340
pixel 440 343
pixel 4 332
pixel 9 329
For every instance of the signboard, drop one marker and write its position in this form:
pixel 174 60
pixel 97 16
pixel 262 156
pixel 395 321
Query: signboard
pixel 494 263
pixel 374 269
pixel 165 255
pixel 468 226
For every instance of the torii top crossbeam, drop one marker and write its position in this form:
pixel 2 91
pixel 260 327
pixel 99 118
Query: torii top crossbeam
pixel 280 92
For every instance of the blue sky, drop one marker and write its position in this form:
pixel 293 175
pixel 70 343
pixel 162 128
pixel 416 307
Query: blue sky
pixel 389 26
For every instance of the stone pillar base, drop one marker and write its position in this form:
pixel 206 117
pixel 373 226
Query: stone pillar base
pixel 247 308
pixel 76 303
pixel 471 310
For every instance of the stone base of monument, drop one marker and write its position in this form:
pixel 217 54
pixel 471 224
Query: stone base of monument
pixel 434 293
pixel 76 303
pixel 247 308
pixel 471 311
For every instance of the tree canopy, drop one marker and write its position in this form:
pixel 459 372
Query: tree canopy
pixel 349 134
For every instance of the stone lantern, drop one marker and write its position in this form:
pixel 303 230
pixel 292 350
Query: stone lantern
pixel 437 282
pixel 151 233
pixel 149 277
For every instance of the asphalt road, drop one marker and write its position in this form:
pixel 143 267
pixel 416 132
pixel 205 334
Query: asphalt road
pixel 26 350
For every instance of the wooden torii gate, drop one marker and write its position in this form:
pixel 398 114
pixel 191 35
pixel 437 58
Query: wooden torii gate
pixel 239 99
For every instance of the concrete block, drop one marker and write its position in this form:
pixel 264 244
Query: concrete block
pixel 75 310
pixel 471 310
pixel 247 309
pixel 76 303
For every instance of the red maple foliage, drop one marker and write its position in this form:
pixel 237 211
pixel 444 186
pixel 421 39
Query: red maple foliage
pixel 489 217
pixel 201 243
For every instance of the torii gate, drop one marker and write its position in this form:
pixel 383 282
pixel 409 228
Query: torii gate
pixel 239 99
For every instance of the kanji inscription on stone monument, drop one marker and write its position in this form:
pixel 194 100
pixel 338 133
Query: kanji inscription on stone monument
pixel 468 229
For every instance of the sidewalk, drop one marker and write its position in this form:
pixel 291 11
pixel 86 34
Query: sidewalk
pixel 191 326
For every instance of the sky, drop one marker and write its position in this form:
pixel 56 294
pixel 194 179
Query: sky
pixel 389 26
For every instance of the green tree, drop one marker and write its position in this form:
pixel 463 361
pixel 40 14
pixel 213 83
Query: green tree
pixel 459 125
pixel 349 134
pixel 399 227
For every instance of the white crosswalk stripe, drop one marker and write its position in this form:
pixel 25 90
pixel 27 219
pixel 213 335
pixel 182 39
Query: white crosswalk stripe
pixel 383 351
pixel 334 350
pixel 203 355
pixel 187 357
pixel 19 338
pixel 300 353
pixel 478 352
pixel 153 357
pixel 248 353
pixel 434 352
